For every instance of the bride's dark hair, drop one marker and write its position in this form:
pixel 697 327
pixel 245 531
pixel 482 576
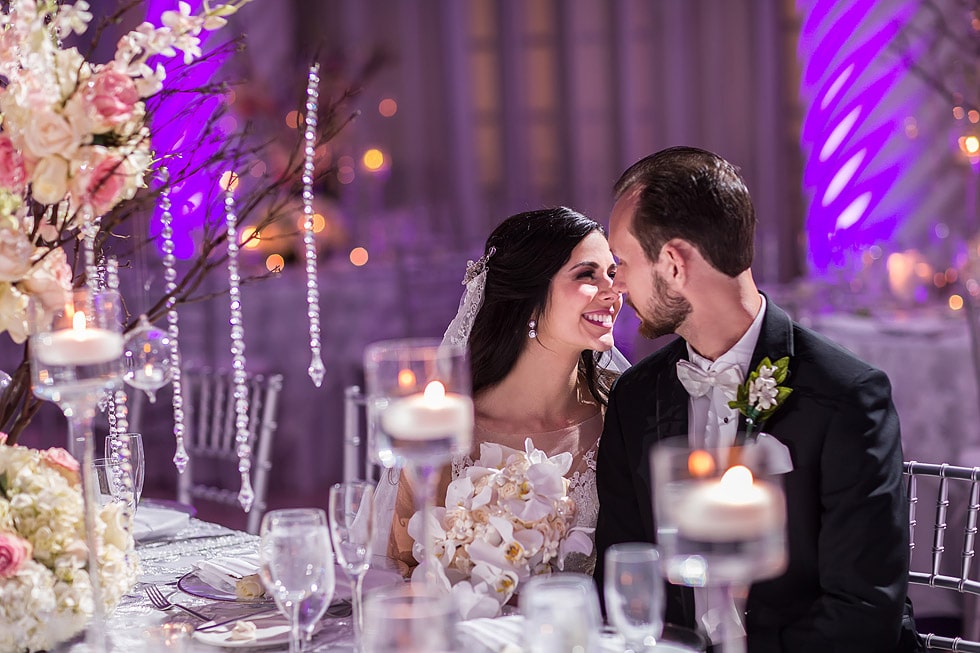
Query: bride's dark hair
pixel 530 248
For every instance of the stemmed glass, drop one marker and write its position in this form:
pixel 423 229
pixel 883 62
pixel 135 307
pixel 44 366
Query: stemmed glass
pixel 409 618
pixel 297 567
pixel 352 529
pixel 418 393
pixel 634 591
pixel 721 523
pixel 75 354
pixel 127 448
pixel 561 613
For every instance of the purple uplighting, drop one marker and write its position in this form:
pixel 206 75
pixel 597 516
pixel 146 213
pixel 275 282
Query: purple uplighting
pixel 181 138
pixel 846 84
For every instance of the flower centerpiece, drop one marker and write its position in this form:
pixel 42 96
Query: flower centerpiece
pixel 45 595
pixel 506 518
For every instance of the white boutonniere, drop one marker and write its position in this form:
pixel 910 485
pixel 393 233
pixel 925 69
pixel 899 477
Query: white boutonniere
pixel 761 394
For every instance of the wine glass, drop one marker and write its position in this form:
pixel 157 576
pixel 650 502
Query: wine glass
pixel 409 618
pixel 129 447
pixel 634 592
pixel 721 523
pixel 561 613
pixel 418 395
pixel 107 477
pixel 76 357
pixel 352 529
pixel 297 566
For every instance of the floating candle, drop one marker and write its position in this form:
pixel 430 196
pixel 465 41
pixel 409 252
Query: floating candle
pixel 431 415
pixel 733 508
pixel 80 345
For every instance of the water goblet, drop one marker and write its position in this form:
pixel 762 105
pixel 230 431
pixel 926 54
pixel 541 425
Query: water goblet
pixel 352 529
pixel 409 618
pixel 108 472
pixel 76 358
pixel 561 613
pixel 297 567
pixel 418 396
pixel 634 591
pixel 129 446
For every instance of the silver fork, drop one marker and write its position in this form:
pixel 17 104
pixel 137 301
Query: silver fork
pixel 160 602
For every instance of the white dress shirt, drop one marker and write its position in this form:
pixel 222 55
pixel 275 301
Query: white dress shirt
pixel 711 423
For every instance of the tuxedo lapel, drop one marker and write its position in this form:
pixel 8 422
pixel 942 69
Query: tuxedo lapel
pixel 672 399
pixel 775 342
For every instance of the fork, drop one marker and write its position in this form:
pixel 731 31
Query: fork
pixel 160 602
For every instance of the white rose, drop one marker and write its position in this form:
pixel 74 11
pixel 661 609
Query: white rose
pixel 15 255
pixel 115 532
pixel 13 312
pixel 49 183
pixel 49 133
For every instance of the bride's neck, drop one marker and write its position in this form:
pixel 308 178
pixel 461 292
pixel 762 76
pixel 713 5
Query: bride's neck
pixel 542 392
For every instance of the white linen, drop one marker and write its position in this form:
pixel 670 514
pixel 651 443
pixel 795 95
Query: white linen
pixel 152 522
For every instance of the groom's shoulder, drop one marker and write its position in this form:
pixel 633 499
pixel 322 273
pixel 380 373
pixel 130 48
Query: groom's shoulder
pixel 643 372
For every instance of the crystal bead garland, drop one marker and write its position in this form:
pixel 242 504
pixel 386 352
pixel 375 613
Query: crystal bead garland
pixel 118 414
pixel 316 369
pixel 173 328
pixel 246 495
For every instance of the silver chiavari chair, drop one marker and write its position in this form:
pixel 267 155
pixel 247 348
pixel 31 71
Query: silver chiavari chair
pixel 965 482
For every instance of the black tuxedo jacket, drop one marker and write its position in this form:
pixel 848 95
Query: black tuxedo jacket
pixel 847 528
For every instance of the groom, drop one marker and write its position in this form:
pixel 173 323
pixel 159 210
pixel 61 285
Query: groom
pixel 682 229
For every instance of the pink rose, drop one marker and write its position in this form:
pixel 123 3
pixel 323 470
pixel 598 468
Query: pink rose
pixel 111 97
pixel 14 550
pixel 100 181
pixel 13 174
pixel 62 462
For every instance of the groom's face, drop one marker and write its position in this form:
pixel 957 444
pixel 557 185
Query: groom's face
pixel 660 309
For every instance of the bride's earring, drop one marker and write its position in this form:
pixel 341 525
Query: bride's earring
pixel 532 325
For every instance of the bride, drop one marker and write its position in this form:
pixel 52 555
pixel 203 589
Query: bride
pixel 538 315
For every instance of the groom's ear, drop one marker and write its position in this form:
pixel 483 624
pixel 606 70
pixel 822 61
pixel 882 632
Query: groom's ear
pixel 674 258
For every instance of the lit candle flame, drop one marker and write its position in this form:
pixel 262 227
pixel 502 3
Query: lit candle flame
pixel 78 321
pixel 148 369
pixel 700 463
pixel 406 379
pixel 434 391
pixel 736 481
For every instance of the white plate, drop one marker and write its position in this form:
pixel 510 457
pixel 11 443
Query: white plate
pixel 192 584
pixel 270 630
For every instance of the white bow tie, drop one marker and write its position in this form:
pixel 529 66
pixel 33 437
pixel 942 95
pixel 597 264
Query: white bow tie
pixel 698 382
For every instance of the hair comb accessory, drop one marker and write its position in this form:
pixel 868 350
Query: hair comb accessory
pixel 475 268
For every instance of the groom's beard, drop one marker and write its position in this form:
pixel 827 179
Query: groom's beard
pixel 663 313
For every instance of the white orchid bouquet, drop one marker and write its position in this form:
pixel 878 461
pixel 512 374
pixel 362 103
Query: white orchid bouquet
pixel 506 518
pixel 45 595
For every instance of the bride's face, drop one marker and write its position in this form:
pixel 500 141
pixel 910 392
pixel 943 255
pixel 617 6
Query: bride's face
pixel 582 306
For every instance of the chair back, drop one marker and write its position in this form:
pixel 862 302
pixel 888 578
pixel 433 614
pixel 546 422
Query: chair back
pixel 358 463
pixel 209 419
pixel 957 502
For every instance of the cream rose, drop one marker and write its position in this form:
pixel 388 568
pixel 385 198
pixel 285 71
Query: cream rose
pixel 49 133
pixel 50 279
pixel 49 182
pixel 13 312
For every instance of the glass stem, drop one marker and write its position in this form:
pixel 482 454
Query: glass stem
pixel 425 478
pixel 356 598
pixel 732 632
pixel 80 418
pixel 295 639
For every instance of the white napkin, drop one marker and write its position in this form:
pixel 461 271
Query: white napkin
pixel 779 461
pixel 151 522
pixel 222 573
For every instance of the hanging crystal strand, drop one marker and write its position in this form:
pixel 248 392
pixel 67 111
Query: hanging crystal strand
pixel 173 328
pixel 246 495
pixel 119 419
pixel 316 369
pixel 108 405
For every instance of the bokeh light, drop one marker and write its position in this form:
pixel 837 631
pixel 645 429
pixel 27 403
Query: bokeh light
pixel 374 159
pixel 358 256
pixel 274 262
pixel 387 107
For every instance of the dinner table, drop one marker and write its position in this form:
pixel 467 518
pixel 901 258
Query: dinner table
pixel 173 546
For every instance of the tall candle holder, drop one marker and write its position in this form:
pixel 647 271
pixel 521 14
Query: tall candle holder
pixel 721 523
pixel 418 395
pixel 76 358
